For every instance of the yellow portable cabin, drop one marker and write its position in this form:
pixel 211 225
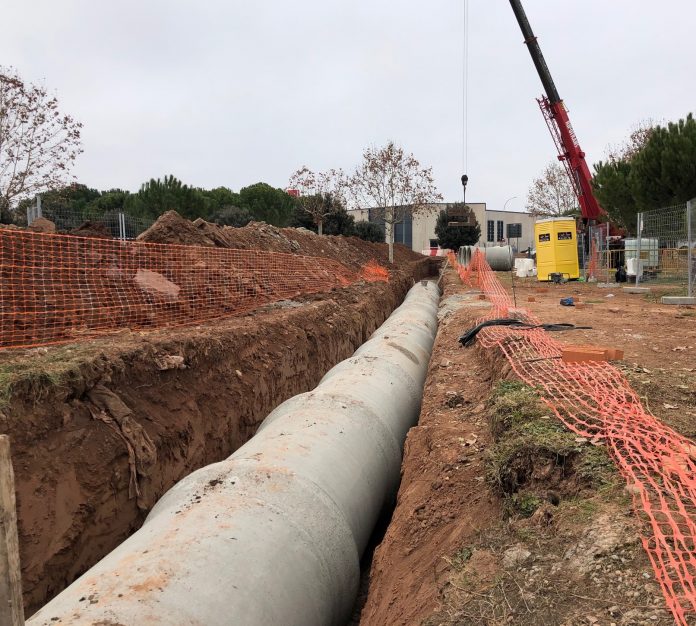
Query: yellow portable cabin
pixel 556 248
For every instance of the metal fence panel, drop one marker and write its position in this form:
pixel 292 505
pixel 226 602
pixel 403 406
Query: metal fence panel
pixel 117 224
pixel 663 250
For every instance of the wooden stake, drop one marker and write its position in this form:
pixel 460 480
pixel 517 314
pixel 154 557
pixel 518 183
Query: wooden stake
pixel 11 606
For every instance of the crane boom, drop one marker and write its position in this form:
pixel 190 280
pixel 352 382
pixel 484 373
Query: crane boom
pixel 556 116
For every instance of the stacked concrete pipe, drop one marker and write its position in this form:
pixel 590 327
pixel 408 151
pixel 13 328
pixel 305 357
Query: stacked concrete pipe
pixel 273 535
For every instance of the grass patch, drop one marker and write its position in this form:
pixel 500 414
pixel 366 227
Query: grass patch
pixel 524 504
pixel 460 558
pixel 535 458
pixel 513 403
pixel 35 372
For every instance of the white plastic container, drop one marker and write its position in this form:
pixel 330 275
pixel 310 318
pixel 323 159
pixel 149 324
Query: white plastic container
pixel 524 267
pixel 634 266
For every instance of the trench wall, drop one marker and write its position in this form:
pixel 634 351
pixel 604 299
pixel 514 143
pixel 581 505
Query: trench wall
pixel 95 448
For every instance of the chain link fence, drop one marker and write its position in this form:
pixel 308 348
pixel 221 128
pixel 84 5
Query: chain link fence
pixel 664 250
pixel 601 254
pixel 115 224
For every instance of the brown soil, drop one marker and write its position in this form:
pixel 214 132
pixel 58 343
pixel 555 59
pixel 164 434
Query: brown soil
pixel 442 502
pixel 101 429
pixel 659 341
pixel 91 229
pixel 351 251
pixel 554 546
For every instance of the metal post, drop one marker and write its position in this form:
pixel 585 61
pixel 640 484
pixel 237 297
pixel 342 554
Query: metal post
pixel 121 227
pixel 608 255
pixel 638 239
pixel 690 246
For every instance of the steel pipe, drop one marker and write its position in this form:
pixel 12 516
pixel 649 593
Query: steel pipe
pixel 274 534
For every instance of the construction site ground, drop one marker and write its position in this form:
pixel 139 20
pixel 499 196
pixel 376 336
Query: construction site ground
pixel 101 428
pixel 503 515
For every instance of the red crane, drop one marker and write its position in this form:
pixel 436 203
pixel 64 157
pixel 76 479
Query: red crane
pixel 556 116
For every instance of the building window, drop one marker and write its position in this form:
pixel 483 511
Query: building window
pixel 501 234
pixel 490 233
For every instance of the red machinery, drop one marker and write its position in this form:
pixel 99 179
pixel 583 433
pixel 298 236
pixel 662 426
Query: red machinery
pixel 556 116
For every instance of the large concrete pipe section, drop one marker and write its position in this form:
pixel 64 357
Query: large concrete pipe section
pixel 273 535
pixel 500 258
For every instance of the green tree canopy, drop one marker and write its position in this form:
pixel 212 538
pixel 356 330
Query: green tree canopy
pixel 232 216
pixel 336 221
pixel 158 196
pixel 664 171
pixel 112 200
pixel 613 191
pixel 369 231
pixel 457 227
pixel 658 171
pixel 267 204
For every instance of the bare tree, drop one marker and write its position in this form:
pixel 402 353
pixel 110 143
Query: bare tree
pixel 552 194
pixel 38 144
pixel 640 134
pixel 392 184
pixel 321 193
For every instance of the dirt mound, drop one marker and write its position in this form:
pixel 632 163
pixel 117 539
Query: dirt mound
pixel 91 229
pixel 42 225
pixel 354 252
pixel 172 228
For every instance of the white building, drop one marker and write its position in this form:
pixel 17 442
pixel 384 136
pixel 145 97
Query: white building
pixel 419 233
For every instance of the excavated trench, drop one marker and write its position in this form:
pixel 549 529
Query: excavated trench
pixel 101 430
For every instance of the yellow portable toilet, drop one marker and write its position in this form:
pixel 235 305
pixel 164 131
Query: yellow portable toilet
pixel 556 248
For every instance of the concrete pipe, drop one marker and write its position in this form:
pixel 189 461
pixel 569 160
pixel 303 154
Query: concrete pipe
pixel 274 534
pixel 500 258
pixel 464 255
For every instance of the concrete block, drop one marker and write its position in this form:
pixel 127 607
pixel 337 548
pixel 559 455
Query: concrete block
pixel 683 300
pixel 641 290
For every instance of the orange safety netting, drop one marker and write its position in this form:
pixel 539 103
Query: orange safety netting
pixel 593 264
pixel 595 400
pixel 58 288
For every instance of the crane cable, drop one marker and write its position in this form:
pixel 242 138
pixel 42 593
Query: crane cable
pixel 465 89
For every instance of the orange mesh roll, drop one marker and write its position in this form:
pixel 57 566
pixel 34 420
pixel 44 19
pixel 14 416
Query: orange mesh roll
pixel 594 400
pixel 373 271
pixel 57 288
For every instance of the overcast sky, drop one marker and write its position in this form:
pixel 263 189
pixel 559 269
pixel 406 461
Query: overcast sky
pixel 231 92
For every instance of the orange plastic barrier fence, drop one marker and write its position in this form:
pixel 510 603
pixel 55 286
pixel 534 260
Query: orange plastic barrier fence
pixel 59 288
pixel 595 400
